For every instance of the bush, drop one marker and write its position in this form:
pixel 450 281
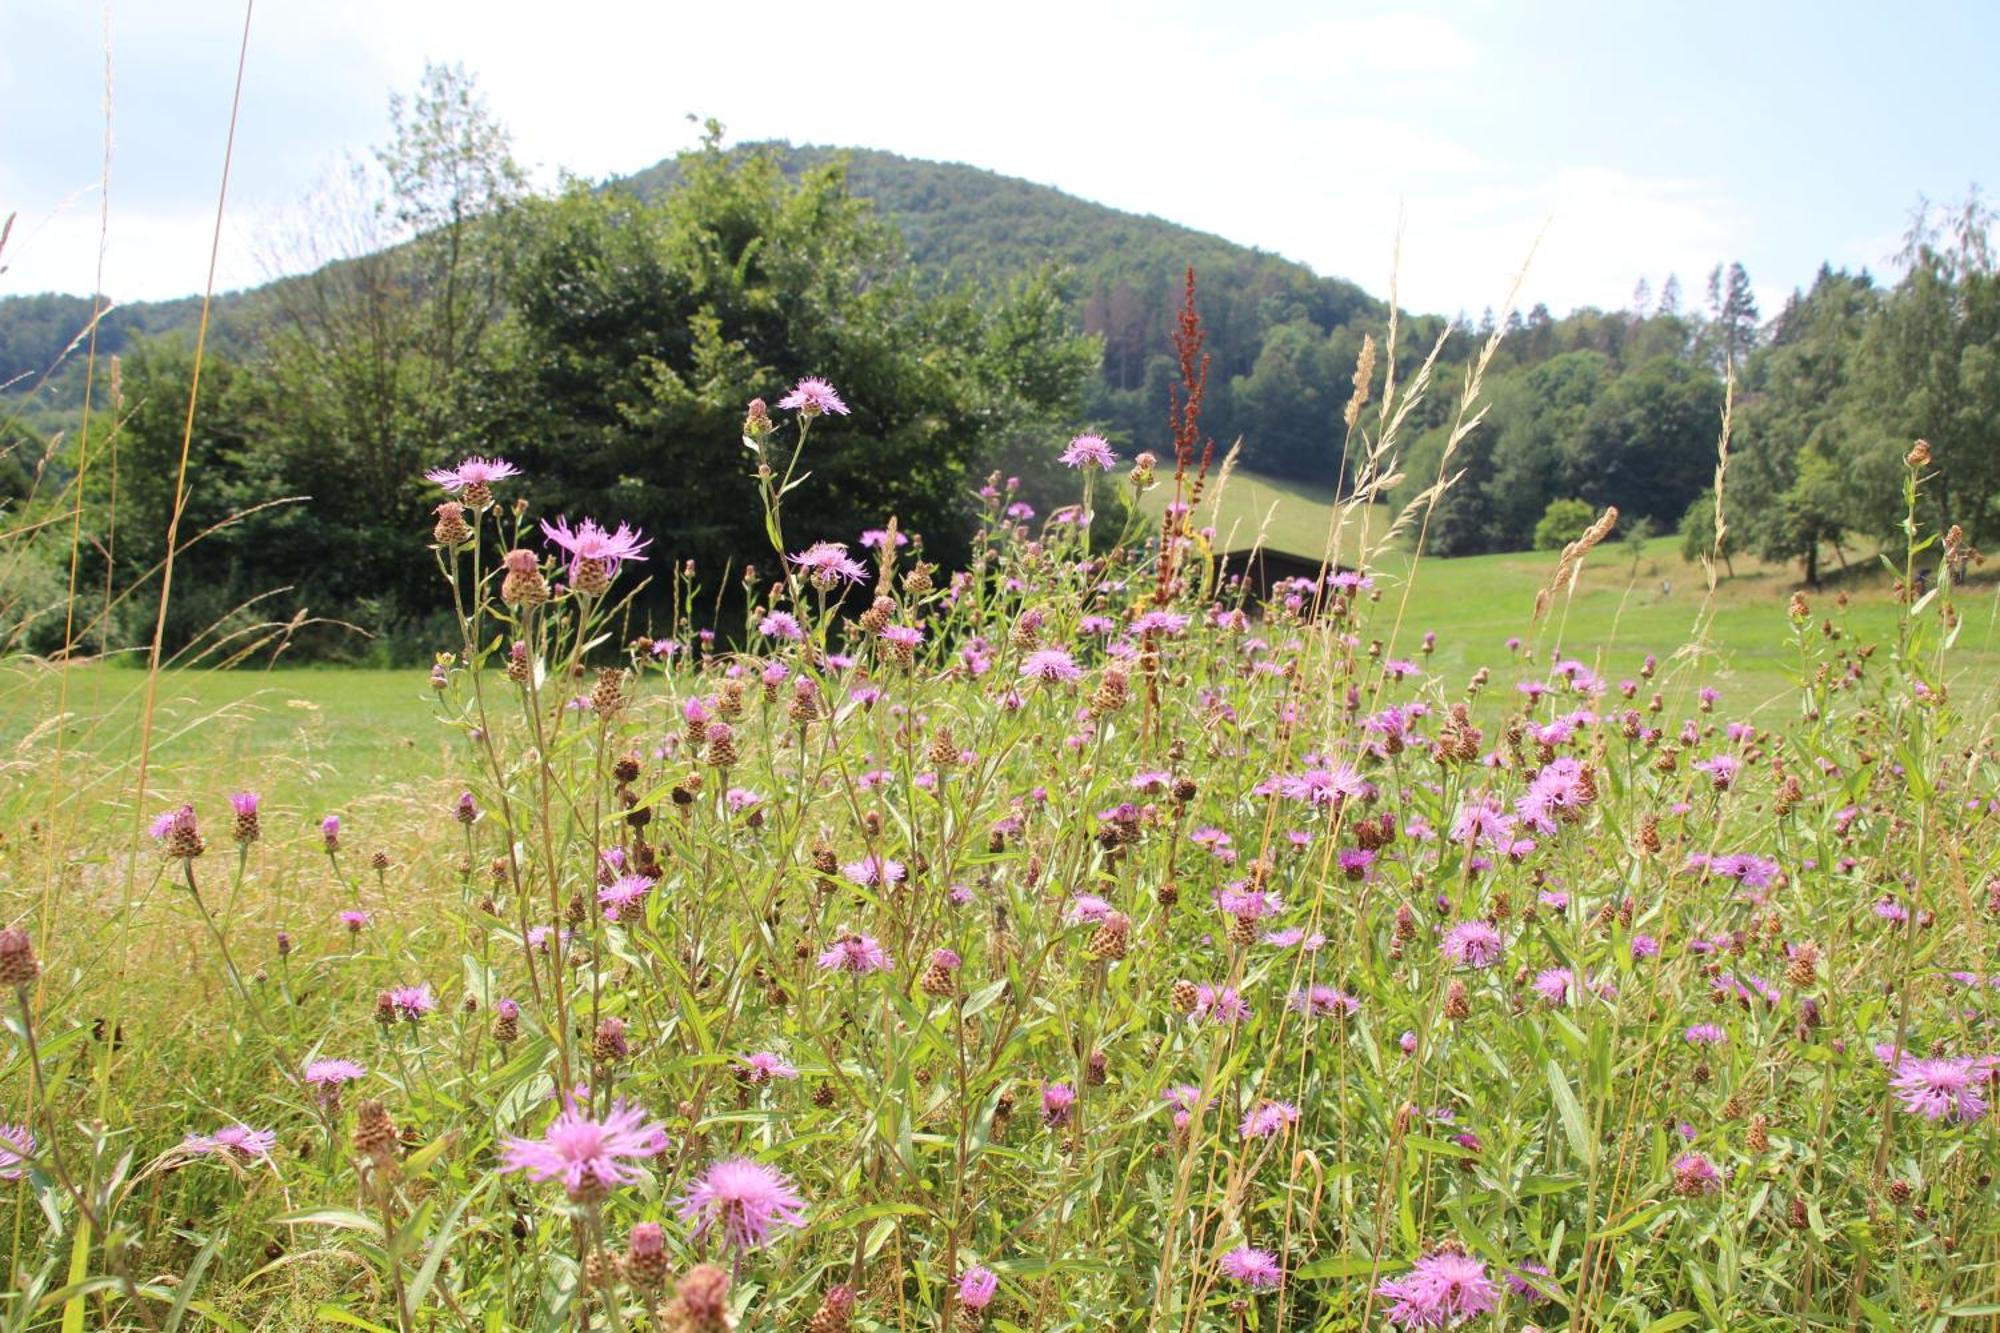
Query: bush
pixel 1562 523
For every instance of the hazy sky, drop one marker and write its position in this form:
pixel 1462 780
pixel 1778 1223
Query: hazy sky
pixel 1656 138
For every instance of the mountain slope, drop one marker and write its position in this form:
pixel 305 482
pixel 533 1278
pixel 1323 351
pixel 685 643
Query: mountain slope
pixel 961 224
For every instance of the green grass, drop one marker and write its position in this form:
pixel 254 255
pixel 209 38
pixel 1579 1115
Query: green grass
pixel 311 739
pixel 321 739
pixel 1622 608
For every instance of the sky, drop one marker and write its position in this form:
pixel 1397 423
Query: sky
pixel 1636 141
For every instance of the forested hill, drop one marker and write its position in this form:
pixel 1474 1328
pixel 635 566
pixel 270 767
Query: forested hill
pixel 961 224
pixel 1124 274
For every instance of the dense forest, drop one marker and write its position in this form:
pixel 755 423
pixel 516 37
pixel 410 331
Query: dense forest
pixel 607 336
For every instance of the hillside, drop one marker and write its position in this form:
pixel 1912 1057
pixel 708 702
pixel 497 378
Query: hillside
pixel 959 224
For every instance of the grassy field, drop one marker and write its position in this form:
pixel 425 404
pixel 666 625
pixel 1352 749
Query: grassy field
pixel 312 739
pixel 322 738
pixel 1622 608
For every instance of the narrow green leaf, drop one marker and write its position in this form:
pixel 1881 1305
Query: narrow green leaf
pixel 1575 1127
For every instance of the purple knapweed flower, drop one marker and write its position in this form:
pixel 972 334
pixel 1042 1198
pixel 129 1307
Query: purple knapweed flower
pixel 590 542
pixel 1267 1119
pixel 811 396
pixel 471 472
pixel 589 1156
pixel 1695 1174
pixel 1473 944
pixel 763 1066
pixel 976 1287
pixel 1444 1288
pixel 875 872
pixel 17 1145
pixel 1254 1268
pixel 1090 451
pixel 239 1143
pixel 828 563
pixel 413 1002
pixel 859 954
pixel 333 1073
pixel 1940 1089
pixel 781 625
pixel 1052 665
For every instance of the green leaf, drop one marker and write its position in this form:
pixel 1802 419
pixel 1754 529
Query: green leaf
pixel 1574 1125
pixel 1343 1265
pixel 984 996
pixel 192 1279
pixel 340 1316
pixel 420 1285
pixel 345 1218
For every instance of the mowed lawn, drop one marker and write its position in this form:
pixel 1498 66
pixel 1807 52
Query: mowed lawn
pixel 320 740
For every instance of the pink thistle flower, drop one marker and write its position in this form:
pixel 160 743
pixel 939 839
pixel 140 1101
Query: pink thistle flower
pixel 1532 1282
pixel 859 954
pixel 1721 770
pixel 588 1156
pixel 747 1198
pixel 1087 909
pixel 354 921
pixel 1705 1034
pixel 473 471
pixel 333 1073
pixel 1558 792
pixel 329 832
pixel 1555 984
pixel 763 1066
pixel 1323 786
pixel 781 625
pixel 828 563
pixel 1444 1288
pixel 1057 1100
pixel 413 1002
pixel 1323 1002
pixel 1089 451
pixel 811 396
pixel 1473 944
pixel 1248 904
pixel 589 541
pixel 622 897
pixel 239 1143
pixel 1937 1089
pixel 244 803
pixel 875 539
pixel 1695 1174
pixel 875 872
pixel 1223 1005
pixel 1253 1267
pixel 1052 665
pixel 976 1287
pixel 1268 1119
pixel 17 1145
pixel 176 822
